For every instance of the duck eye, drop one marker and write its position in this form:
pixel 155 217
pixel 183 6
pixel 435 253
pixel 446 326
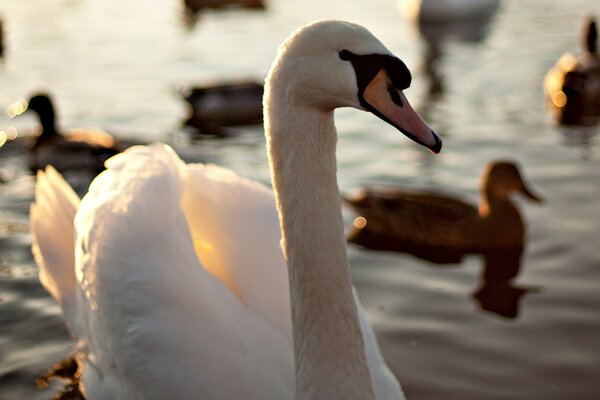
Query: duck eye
pixel 345 55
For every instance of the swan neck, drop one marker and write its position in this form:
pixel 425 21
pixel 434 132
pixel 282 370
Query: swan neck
pixel 328 345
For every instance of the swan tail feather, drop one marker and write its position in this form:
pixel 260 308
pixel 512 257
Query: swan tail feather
pixel 53 235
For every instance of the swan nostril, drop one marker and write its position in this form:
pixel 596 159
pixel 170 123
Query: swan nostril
pixel 394 94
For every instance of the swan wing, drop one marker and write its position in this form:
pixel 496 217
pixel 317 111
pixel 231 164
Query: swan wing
pixel 235 230
pixel 151 320
pixel 53 237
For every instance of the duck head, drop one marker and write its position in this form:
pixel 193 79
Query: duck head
pixel 344 65
pixel 41 105
pixel 502 178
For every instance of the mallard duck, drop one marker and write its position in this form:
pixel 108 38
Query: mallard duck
pixel 187 281
pixel 75 149
pixel 193 8
pixel 442 227
pixel 572 86
pixel 215 107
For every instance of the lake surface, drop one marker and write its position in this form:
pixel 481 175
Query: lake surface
pixel 119 64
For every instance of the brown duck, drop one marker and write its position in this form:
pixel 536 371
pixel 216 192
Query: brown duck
pixel 572 86
pixel 442 228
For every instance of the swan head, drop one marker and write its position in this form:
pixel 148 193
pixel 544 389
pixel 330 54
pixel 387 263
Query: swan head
pixel 330 64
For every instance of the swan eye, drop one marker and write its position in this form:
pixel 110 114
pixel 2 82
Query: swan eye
pixel 345 55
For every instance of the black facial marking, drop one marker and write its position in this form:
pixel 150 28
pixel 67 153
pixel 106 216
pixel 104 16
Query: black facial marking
pixel 345 55
pixel 368 66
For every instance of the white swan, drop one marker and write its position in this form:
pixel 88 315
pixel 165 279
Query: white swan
pixel 171 277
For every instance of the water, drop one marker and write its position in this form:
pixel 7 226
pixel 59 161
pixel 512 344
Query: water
pixel 118 65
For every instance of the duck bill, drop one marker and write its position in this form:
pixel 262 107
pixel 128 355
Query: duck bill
pixel 527 192
pixel 391 105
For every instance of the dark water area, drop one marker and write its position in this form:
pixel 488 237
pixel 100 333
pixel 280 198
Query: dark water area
pixel 511 325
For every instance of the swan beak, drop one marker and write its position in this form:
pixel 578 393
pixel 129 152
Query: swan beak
pixel 382 98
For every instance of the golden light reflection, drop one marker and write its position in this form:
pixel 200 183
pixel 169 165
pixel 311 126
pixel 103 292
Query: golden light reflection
pixel 12 133
pixel 360 222
pixel 559 99
pixel 92 136
pixel 7 135
pixel 16 108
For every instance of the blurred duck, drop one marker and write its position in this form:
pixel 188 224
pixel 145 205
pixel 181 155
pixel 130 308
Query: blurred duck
pixel 443 11
pixel 215 107
pixel 572 86
pixel 194 7
pixel 429 224
pixel 1 39
pixel 77 149
pixel 200 4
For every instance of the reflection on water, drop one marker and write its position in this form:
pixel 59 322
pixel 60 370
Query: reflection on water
pixel 436 31
pixel 497 293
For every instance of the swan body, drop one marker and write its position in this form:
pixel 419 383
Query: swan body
pixel 442 227
pixel 445 11
pixel 572 85
pixel 173 277
pixel 75 149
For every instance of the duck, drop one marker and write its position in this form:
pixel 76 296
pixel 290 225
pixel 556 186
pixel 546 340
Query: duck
pixel 1 39
pixel 75 149
pixel 447 11
pixel 193 8
pixel 572 85
pixel 163 280
pixel 442 227
pixel 216 4
pixel 214 107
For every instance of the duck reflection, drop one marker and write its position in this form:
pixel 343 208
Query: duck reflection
pixel 442 229
pixel 572 86
pixel 497 293
pixel 439 20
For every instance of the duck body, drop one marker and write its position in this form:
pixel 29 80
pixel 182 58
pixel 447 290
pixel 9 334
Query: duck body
pixel 448 11
pixel 217 4
pixel 572 85
pixel 77 149
pixel 439 226
pixel 164 281
pixel 215 107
